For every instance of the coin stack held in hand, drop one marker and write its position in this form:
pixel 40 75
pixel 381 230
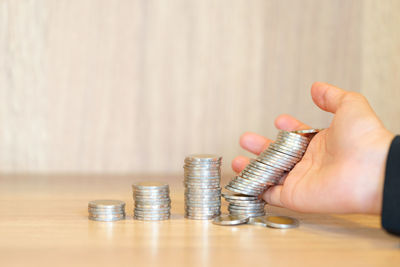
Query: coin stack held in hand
pixel 202 177
pixel 272 164
pixel 106 210
pixel 152 201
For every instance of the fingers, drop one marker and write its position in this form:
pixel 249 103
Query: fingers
pixel 254 143
pixel 239 163
pixel 326 96
pixel 289 123
pixel 273 196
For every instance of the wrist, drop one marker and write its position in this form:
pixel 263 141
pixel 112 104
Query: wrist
pixel 375 172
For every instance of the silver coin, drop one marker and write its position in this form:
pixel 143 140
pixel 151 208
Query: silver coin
pixel 229 220
pixel 202 212
pixel 205 186
pixel 202 166
pixel 161 218
pixel 249 180
pixel 291 135
pixel 203 205
pixel 152 203
pixel 230 195
pixel 271 157
pixel 90 209
pixel 246 208
pixel 150 185
pixel 245 184
pixel 301 147
pixel 105 213
pixel 245 203
pixel 259 180
pixel 192 217
pixel 94 216
pixel 105 219
pixel 240 191
pixel 203 157
pixel 150 206
pixel 245 188
pixel 249 205
pixel 281 156
pixel 106 203
pixel 276 164
pixel 258 172
pixel 281 222
pixel 151 211
pixel 287 151
pixel 308 131
pixel 293 139
pixel 201 198
pixel 250 215
pixel 258 221
pixel 265 167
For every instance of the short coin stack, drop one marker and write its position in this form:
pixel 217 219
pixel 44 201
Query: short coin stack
pixel 202 176
pixel 152 201
pixel 250 206
pixel 272 164
pixel 106 210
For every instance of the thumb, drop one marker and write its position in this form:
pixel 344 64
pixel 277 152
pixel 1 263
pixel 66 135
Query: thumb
pixel 327 97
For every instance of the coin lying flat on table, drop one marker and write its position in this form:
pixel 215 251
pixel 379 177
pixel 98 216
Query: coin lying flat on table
pixel 281 222
pixel 261 220
pixel 228 219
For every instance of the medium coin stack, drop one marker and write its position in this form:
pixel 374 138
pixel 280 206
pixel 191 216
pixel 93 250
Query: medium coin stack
pixel 106 210
pixel 152 201
pixel 202 177
pixel 272 164
pixel 249 206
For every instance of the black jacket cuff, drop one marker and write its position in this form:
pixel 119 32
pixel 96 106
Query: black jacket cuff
pixel 391 190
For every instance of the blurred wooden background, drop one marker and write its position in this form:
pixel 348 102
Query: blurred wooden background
pixel 133 86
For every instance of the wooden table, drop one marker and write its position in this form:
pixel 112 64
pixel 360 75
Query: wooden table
pixel 43 222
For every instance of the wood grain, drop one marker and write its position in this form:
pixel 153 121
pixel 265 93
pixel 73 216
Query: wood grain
pixel 133 86
pixel 43 222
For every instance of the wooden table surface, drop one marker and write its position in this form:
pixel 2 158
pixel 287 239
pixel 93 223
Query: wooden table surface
pixel 43 222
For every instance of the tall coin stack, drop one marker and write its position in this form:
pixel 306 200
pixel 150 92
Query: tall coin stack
pixel 249 206
pixel 272 164
pixel 202 177
pixel 106 210
pixel 152 201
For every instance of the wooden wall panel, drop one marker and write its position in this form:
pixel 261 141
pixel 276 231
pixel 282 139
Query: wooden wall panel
pixel 133 86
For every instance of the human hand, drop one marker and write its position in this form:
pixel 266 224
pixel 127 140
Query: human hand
pixel 342 170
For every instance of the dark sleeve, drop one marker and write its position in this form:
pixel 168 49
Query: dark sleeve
pixel 391 190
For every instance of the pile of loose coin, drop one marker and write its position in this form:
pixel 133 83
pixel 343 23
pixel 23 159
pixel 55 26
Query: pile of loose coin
pixel 202 176
pixel 280 222
pixel 106 210
pixel 152 201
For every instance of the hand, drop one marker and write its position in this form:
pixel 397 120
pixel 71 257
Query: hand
pixel 343 168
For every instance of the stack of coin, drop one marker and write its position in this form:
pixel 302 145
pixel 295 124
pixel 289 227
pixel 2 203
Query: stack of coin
pixel 152 201
pixel 272 164
pixel 106 210
pixel 249 206
pixel 202 176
